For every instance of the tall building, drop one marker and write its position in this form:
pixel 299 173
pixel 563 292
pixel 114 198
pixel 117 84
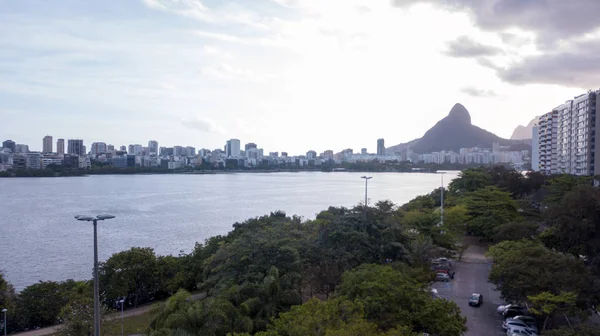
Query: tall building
pixel 60 146
pixel 576 137
pixel 110 149
pixel 380 147
pixel 363 151
pixel 10 145
pixel 190 151
pixel 99 148
pixel 177 150
pixel 250 145
pixel 535 148
pixel 138 149
pixel 547 133
pixel 153 147
pixel 47 144
pixel 311 155
pixel 20 148
pixel 76 147
pixel 232 148
pixel 123 149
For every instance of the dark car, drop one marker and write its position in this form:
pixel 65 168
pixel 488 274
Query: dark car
pixel 511 312
pixel 476 300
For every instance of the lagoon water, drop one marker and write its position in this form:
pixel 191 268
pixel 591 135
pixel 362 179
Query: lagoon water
pixel 40 239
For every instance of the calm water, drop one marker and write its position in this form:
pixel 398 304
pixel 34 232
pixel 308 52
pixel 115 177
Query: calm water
pixel 40 239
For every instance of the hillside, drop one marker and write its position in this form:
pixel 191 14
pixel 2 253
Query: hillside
pixel 452 133
pixel 524 132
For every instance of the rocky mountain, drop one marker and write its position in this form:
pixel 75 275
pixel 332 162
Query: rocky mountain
pixel 452 133
pixel 524 132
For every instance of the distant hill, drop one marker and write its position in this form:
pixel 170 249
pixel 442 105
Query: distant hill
pixel 524 132
pixel 452 133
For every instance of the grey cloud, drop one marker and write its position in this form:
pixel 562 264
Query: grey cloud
pixel 202 125
pixel 552 20
pixel 576 66
pixel 514 39
pixel 467 47
pixel 475 92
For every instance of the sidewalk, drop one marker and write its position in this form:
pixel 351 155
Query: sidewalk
pixel 51 330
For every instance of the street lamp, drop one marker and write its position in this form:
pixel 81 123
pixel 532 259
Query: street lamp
pixel 4 311
pixel 367 178
pixel 442 200
pixel 122 302
pixel 96 284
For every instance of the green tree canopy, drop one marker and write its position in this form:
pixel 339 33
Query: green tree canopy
pixel 489 208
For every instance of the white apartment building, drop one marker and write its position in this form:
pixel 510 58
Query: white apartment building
pixel 535 148
pixel 576 134
pixel 547 133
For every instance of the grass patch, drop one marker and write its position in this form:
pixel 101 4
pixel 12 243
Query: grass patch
pixel 133 325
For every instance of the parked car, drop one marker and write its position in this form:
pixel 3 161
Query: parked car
pixel 502 308
pixel 476 300
pixel 443 277
pixel 519 331
pixel 529 320
pixel 513 311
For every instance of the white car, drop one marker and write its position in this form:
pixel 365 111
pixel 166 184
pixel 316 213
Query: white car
pixel 502 308
pixel 517 331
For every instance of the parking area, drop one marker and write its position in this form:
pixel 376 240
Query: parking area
pixel 472 277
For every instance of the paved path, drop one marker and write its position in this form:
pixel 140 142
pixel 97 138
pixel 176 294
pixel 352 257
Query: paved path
pixel 472 277
pixel 54 329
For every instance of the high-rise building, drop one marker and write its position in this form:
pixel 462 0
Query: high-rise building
pixel 20 148
pixel 10 145
pixel 98 148
pixel 178 150
pixel 363 151
pixel 232 148
pixel 547 133
pixel 576 135
pixel 47 144
pixel 60 146
pixel 380 147
pixel 328 155
pixel 123 149
pixel 535 148
pixel 153 147
pixel 110 148
pixel 249 145
pixel 190 151
pixel 76 147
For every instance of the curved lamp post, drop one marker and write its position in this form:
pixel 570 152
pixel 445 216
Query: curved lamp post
pixel 96 284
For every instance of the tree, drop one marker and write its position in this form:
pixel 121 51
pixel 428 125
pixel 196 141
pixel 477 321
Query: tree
pixel 8 300
pixel 391 299
pixel 579 330
pixel 526 268
pixel 131 273
pixel 547 305
pixel 515 231
pixel 41 302
pixel 78 314
pixel 559 185
pixel 489 208
pixel 470 180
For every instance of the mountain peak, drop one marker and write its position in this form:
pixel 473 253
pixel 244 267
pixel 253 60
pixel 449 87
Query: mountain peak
pixel 460 113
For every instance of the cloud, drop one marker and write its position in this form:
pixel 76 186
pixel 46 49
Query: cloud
pixel 575 66
pixel 475 92
pixel 202 125
pixel 229 72
pixel 551 20
pixel 190 8
pixel 464 46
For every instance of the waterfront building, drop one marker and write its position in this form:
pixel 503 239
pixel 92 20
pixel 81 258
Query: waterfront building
pixel 60 146
pixel 76 147
pixel 380 147
pixel 47 144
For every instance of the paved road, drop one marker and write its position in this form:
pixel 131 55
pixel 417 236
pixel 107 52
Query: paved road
pixel 472 277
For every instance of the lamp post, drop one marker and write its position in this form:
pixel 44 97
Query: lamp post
pixel 95 220
pixel 367 178
pixel 122 302
pixel 4 311
pixel 442 201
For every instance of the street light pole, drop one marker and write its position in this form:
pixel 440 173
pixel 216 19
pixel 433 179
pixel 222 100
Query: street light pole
pixel 367 178
pixel 122 318
pixel 5 327
pixel 95 220
pixel 442 201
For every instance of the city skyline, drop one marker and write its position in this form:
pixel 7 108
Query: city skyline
pixel 286 74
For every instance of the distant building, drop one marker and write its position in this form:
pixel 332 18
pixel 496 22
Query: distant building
pixel 177 150
pixel 153 147
pixel 47 144
pixel 249 145
pixel 10 145
pixel 363 151
pixel 119 162
pixel 535 148
pixel 98 148
pixel 110 149
pixel 190 151
pixel 60 146
pixel 76 147
pixel 311 155
pixel 123 149
pixel 232 148
pixel 20 148
pixel 380 147
pixel 328 155
pixel 19 162
pixel 547 133
pixel 33 160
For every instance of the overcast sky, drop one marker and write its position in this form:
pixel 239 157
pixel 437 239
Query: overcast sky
pixel 289 75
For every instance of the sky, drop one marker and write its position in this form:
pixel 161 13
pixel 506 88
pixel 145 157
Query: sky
pixel 289 75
